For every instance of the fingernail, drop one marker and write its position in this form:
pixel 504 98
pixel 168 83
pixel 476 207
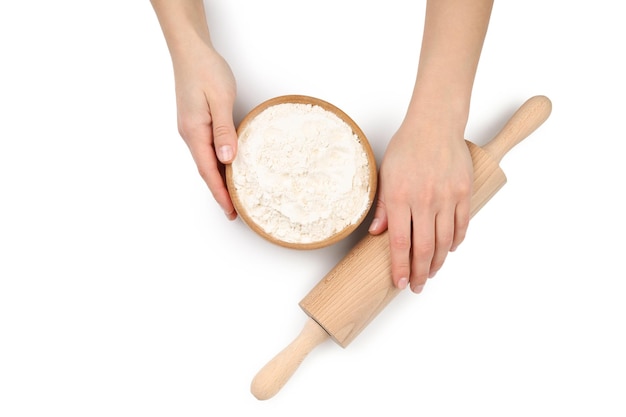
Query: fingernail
pixel 230 215
pixel 402 283
pixel 374 225
pixel 225 153
pixel 418 289
pixel 432 274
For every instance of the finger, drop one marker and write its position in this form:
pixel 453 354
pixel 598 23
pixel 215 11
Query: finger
pixel 224 133
pixel 461 223
pixel 209 170
pixel 379 223
pixel 444 234
pixel 423 248
pixel 400 246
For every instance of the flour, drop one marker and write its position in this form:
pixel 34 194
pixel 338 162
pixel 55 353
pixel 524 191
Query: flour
pixel 300 173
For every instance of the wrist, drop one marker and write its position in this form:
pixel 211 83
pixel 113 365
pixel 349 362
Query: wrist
pixel 191 54
pixel 439 104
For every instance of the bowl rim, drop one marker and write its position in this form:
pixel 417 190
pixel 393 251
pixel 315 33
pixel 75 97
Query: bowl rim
pixel 373 172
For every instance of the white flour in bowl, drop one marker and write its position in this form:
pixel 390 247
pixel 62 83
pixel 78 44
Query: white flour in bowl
pixel 300 173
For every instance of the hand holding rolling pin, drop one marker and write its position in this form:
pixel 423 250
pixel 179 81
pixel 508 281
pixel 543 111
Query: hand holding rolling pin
pixel 426 174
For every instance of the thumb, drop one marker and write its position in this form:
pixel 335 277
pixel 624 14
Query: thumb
pixel 224 134
pixel 379 223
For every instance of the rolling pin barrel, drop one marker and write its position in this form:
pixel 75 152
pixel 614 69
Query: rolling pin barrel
pixel 359 287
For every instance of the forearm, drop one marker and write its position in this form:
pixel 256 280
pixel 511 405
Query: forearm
pixel 454 32
pixel 184 26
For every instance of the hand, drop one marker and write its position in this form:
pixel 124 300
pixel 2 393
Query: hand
pixel 424 197
pixel 205 96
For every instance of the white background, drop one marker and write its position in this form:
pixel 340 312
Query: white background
pixel 124 291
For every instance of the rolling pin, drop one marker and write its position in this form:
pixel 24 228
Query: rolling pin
pixel 359 287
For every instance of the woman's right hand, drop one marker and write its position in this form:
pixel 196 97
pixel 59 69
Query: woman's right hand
pixel 205 93
pixel 205 96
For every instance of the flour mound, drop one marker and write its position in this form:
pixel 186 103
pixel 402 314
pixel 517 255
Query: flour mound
pixel 300 173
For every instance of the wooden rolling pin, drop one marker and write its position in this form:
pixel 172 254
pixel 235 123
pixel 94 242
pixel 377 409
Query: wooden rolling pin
pixel 359 287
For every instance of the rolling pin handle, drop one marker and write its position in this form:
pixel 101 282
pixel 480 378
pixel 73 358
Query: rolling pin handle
pixel 524 121
pixel 271 378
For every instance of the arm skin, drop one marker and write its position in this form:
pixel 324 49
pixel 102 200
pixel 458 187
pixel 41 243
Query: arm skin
pixel 426 173
pixel 205 93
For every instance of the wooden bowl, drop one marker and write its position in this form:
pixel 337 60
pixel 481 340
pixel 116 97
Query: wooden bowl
pixel 321 187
